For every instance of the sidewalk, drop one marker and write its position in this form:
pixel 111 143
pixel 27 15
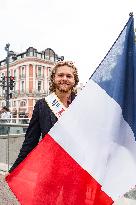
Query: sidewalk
pixel 6 197
pixel 125 201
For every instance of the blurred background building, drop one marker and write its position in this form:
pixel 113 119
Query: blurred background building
pixel 30 70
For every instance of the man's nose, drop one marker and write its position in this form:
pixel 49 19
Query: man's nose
pixel 64 77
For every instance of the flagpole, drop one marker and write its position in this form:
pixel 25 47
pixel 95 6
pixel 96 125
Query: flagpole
pixel 131 14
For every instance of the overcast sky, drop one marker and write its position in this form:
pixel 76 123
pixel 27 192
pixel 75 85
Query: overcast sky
pixel 81 30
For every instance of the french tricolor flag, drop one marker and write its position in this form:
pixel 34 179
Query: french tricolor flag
pixel 89 156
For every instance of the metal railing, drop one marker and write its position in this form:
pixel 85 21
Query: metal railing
pixel 11 139
pixel 20 120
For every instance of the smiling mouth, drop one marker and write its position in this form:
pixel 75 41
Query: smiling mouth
pixel 64 84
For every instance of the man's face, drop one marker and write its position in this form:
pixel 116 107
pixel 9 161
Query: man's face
pixel 3 110
pixel 64 78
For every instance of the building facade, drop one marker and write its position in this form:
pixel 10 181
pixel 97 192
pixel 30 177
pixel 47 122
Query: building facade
pixel 31 71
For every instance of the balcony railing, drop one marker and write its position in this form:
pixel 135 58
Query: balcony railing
pixel 39 75
pixel 22 76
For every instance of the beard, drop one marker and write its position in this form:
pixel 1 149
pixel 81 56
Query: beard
pixel 64 88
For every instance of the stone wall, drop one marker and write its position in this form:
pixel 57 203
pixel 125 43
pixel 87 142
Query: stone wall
pixel 9 149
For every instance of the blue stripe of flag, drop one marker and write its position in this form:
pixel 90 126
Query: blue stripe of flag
pixel 116 74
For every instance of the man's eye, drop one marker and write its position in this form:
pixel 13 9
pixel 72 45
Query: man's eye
pixel 60 75
pixel 69 76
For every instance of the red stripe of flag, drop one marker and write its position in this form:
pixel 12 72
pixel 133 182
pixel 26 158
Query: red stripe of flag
pixel 49 176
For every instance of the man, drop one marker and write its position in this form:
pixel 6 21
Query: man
pixel 63 81
pixel 5 118
pixel 5 114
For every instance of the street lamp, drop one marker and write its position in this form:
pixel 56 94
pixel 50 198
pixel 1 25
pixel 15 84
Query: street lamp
pixel 9 54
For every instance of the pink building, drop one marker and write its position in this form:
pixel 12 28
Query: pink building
pixel 31 70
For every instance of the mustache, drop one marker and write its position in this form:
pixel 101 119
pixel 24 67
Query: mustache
pixel 64 82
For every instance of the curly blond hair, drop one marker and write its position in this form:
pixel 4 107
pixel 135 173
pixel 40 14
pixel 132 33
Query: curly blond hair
pixel 53 72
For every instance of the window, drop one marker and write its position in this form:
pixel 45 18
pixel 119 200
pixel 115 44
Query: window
pixel 31 51
pixel 15 73
pixel 14 103
pixel 2 74
pixel 39 85
pixel 39 70
pixel 15 87
pixel 23 71
pixel 46 57
pixel 22 103
pixel 52 58
pixel 49 54
pixel 22 86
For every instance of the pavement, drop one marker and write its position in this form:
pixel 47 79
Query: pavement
pixel 6 196
pixel 125 201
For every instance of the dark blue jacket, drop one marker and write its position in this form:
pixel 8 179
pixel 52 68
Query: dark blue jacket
pixel 41 122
